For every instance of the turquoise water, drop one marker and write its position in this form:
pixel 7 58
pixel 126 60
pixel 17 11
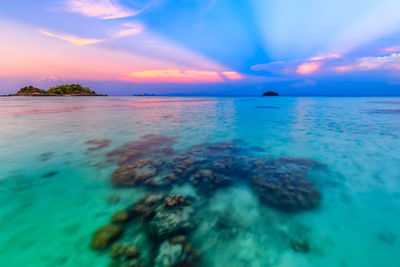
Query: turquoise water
pixel 55 188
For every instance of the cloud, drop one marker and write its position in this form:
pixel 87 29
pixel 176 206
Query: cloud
pixel 274 67
pixel 325 57
pixel 308 67
pixel 72 39
pixel 304 67
pixel 181 76
pixel 391 49
pixel 388 62
pixel 102 9
pixel 232 75
pixel 391 62
pixel 133 29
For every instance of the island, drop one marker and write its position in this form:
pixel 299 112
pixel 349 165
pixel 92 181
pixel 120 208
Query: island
pixel 61 90
pixel 142 94
pixel 270 93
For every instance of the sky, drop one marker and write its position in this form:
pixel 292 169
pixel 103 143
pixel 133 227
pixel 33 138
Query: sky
pixel 202 47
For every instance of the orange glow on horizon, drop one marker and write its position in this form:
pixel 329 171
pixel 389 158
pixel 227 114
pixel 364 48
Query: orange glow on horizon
pixel 308 67
pixel 173 76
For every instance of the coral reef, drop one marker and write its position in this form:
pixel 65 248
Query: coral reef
pixel 167 220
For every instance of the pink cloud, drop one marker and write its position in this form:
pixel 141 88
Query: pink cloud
pixel 133 29
pixel 72 39
pixel 103 9
pixel 392 49
pixel 345 68
pixel 388 62
pixel 319 58
pixel 308 67
pixel 232 75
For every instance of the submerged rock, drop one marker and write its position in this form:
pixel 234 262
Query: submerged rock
pixel 209 180
pixel 300 246
pixel 46 156
pixel 132 252
pixel 179 239
pixel 168 222
pixel 129 157
pixel 98 144
pixel 289 194
pixel 284 185
pixel 113 199
pixel 121 216
pixel 177 252
pixel 127 251
pixel 183 166
pixel 132 263
pixel 117 250
pixel 49 174
pixel 104 236
pixel 132 174
pixel 148 145
pixel 388 238
pixel 145 208
pixel 169 254
pixel 184 263
pixel 176 201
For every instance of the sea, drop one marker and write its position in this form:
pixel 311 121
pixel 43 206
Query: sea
pixel 240 181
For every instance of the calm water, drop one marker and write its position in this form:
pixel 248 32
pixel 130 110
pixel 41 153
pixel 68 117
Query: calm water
pixel 56 189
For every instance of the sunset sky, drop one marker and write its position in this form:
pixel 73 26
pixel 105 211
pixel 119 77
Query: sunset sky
pixel 207 47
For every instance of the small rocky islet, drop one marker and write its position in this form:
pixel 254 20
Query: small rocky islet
pixel 167 220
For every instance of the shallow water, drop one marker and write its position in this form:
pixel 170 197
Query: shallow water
pixel 54 187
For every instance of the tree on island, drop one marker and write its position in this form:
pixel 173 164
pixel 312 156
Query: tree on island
pixel 70 89
pixel 270 93
pixel 30 90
